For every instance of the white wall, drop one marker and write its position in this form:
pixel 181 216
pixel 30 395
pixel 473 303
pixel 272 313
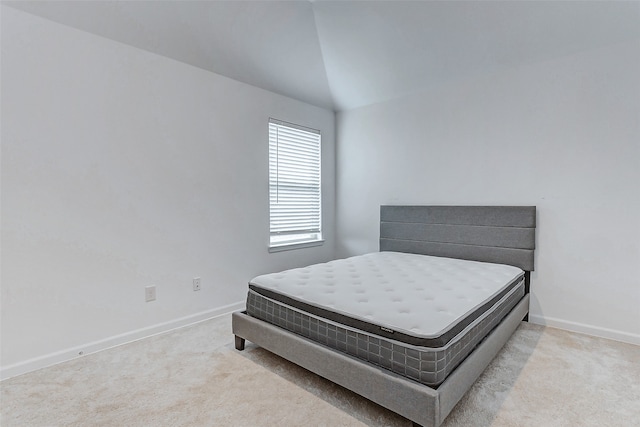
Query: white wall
pixel 122 169
pixel 563 135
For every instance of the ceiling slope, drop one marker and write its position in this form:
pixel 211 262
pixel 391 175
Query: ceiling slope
pixel 347 54
pixel 375 51
pixel 269 44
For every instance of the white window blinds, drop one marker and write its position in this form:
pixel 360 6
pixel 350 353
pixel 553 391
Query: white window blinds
pixel 294 184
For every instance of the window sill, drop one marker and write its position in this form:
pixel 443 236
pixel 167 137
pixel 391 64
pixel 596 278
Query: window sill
pixel 291 246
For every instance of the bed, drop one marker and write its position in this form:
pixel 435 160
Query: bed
pixel 412 326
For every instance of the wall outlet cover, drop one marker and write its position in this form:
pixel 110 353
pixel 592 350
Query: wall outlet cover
pixel 150 293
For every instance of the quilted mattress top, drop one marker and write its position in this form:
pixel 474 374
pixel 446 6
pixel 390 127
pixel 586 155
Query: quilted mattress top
pixel 418 295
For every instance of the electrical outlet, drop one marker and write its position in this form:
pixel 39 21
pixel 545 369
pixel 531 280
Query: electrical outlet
pixel 150 293
pixel 196 283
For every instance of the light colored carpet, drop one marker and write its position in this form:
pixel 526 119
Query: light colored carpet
pixel 194 377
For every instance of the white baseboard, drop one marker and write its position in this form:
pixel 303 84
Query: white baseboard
pixel 79 351
pixel 92 347
pixel 585 329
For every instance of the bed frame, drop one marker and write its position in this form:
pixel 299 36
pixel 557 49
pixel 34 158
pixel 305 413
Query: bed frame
pixel 498 234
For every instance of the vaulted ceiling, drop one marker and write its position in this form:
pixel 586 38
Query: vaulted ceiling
pixel 347 54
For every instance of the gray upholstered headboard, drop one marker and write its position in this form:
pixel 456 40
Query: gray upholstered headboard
pixel 499 234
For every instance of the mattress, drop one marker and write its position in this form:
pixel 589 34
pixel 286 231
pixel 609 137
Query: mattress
pixel 416 315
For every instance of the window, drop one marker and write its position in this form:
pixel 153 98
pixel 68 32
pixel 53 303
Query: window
pixel 294 186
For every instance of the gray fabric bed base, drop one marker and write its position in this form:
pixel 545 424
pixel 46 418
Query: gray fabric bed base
pixel 419 403
pixel 427 365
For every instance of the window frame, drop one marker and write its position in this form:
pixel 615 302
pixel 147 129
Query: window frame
pixel 301 238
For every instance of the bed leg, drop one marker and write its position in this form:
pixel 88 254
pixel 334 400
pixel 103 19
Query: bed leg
pixel 527 288
pixel 239 343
